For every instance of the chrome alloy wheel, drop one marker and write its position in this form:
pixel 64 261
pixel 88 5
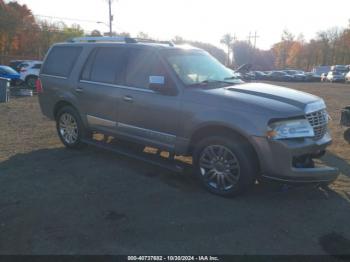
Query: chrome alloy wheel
pixel 68 128
pixel 219 167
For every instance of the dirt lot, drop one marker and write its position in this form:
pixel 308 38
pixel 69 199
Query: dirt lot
pixel 56 201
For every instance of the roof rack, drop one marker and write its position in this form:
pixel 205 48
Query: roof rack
pixel 145 40
pixel 118 39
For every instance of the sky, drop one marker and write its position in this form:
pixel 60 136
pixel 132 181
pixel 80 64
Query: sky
pixel 202 20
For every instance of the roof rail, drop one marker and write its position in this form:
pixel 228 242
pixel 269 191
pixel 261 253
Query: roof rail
pixel 145 40
pixel 119 39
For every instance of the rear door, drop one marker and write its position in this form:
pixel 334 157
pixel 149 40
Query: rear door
pixel 97 92
pixel 146 115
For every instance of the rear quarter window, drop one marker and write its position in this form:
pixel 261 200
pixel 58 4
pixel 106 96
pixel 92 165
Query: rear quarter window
pixel 61 60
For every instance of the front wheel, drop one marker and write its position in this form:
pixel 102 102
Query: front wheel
pixel 70 128
pixel 226 166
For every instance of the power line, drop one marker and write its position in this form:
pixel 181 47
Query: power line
pixel 78 20
pixel 67 18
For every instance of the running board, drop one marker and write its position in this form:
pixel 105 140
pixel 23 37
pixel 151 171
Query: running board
pixel 172 165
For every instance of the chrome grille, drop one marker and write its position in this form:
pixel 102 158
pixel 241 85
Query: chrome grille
pixel 319 121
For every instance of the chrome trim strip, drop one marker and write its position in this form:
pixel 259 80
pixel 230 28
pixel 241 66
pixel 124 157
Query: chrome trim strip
pixel 143 129
pixel 120 86
pixel 97 121
pixel 146 133
pixel 59 77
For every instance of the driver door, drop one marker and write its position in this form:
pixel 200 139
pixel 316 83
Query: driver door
pixel 146 115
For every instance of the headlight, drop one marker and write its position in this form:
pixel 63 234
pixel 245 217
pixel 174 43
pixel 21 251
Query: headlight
pixel 290 129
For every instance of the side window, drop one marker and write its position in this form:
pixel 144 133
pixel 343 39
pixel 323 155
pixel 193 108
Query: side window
pixel 37 66
pixel 108 65
pixel 85 75
pixel 61 60
pixel 23 65
pixel 141 65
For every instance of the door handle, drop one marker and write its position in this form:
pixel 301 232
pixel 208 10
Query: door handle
pixel 128 99
pixel 79 90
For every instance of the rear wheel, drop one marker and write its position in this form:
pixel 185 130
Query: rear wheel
pixel 30 81
pixel 226 166
pixel 70 128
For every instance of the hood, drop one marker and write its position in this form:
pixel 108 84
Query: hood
pixel 276 101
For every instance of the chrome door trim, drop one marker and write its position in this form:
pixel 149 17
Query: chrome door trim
pixel 118 86
pixel 59 77
pixel 97 121
pixel 146 133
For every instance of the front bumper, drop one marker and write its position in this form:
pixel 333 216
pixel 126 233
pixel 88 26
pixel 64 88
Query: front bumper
pixel 276 159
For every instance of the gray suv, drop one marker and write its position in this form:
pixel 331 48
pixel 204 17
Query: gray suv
pixel 182 100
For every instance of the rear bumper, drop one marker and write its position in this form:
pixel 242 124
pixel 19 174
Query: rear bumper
pixel 276 160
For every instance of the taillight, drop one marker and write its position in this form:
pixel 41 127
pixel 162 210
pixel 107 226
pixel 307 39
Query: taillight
pixel 39 86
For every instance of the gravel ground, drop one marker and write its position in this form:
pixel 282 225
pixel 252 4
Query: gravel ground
pixel 57 201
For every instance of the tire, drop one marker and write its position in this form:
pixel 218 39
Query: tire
pixel 346 135
pixel 226 166
pixel 30 82
pixel 70 128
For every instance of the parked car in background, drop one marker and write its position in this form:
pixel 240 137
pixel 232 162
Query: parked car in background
pixel 259 75
pixel 335 76
pixel 309 77
pixel 29 72
pixel 324 77
pixel 14 64
pixel 249 76
pixel 347 78
pixel 280 76
pixel 10 73
pixel 340 68
pixel 318 71
pixel 297 74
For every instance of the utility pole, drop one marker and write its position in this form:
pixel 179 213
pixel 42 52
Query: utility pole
pixel 252 51
pixel 110 17
pixel 249 37
pixel 255 37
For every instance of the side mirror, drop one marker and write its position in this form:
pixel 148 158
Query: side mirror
pixel 157 84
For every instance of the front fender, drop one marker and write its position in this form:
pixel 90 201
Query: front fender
pixel 245 124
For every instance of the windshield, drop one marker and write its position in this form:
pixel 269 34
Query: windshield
pixel 8 70
pixel 199 68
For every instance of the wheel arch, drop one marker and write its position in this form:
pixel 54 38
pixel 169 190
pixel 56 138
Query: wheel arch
pixel 216 129
pixel 28 76
pixel 60 104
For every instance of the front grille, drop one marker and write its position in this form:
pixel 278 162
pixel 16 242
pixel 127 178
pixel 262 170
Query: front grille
pixel 319 121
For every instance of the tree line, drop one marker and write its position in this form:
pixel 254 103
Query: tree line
pixel 329 47
pixel 22 36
